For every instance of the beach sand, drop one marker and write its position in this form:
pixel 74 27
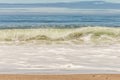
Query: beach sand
pixel 62 77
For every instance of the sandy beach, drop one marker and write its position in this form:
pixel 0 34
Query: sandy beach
pixel 62 77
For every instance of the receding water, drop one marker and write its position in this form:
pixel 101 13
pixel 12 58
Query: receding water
pixel 58 59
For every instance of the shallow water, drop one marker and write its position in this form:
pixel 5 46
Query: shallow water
pixel 70 58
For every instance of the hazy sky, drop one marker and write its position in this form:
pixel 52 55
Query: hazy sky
pixel 46 1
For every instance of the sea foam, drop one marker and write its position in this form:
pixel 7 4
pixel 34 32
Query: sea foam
pixel 72 35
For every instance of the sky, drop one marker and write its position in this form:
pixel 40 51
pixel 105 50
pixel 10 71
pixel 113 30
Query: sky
pixel 50 1
pixel 54 10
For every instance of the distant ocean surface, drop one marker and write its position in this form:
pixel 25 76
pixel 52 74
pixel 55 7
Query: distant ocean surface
pixel 36 21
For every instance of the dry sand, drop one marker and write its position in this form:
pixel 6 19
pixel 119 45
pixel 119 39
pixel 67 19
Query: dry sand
pixel 62 77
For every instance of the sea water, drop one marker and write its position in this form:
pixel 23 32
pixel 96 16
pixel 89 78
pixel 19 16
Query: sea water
pixel 59 59
pixel 36 21
pixel 62 57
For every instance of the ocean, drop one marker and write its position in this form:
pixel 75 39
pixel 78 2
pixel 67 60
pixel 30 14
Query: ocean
pixel 59 21
pixel 59 44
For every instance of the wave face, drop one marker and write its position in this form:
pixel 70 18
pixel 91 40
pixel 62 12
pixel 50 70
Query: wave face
pixel 76 35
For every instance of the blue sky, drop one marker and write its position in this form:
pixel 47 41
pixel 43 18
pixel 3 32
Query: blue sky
pixel 46 1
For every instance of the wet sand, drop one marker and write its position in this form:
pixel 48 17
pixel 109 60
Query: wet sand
pixel 62 77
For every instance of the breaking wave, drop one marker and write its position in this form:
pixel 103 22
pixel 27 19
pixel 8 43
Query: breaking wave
pixel 76 35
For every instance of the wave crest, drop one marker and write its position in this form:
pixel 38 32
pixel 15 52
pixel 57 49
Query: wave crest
pixel 77 35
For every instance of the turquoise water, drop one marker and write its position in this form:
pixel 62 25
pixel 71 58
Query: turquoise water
pixel 37 21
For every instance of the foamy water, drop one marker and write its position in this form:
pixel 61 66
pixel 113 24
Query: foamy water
pixel 61 36
pixel 56 58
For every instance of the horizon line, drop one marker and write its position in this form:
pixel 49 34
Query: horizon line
pixel 52 2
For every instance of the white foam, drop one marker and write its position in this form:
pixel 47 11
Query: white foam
pixel 60 57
